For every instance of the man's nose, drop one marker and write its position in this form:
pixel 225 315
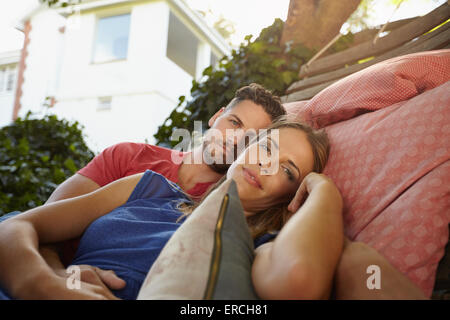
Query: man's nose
pixel 232 137
pixel 238 135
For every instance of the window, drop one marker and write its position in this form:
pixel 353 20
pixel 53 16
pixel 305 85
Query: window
pixel 111 42
pixel 182 45
pixel 10 80
pixel 104 103
pixel 2 79
pixel 7 79
pixel 214 60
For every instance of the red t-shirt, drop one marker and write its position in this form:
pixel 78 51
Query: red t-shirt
pixel 125 159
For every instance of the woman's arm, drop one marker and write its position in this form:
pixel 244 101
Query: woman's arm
pixel 301 261
pixel 23 271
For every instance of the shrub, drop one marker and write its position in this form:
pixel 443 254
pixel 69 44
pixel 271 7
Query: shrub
pixel 35 156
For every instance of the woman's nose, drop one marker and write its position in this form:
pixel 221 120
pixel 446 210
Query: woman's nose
pixel 263 169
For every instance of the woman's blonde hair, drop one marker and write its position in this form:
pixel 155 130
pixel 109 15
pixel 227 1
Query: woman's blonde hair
pixel 272 219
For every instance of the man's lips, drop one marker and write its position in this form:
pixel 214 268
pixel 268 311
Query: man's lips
pixel 251 178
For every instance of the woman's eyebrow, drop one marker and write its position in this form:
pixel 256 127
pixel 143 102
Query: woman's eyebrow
pixel 290 161
pixel 293 164
pixel 272 141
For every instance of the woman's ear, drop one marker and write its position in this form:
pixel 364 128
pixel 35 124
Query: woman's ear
pixel 215 116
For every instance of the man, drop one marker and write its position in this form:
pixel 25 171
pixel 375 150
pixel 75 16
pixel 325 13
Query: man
pixel 253 107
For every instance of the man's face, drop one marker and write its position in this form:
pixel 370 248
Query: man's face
pixel 230 125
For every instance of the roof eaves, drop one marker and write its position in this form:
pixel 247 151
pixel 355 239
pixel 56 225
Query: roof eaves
pixel 217 40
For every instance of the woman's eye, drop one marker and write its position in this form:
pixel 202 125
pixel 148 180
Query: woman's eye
pixel 234 123
pixel 289 173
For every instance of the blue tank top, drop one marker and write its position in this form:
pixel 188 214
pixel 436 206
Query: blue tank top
pixel 129 239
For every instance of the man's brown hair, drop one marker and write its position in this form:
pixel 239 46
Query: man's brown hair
pixel 261 96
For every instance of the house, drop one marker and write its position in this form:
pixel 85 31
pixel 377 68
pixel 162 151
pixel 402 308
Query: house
pixel 9 66
pixel 117 67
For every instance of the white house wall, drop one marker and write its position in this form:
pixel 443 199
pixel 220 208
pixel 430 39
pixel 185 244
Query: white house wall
pixel 144 88
pixel 42 61
pixel 6 108
pixel 128 119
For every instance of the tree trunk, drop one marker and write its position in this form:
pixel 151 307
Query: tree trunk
pixel 314 23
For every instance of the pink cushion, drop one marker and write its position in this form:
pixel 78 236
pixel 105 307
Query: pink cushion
pixel 390 157
pixel 392 167
pixel 375 87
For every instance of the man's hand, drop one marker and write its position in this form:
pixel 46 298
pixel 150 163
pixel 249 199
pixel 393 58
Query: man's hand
pixel 88 274
pixel 96 276
pixel 57 288
pixel 89 284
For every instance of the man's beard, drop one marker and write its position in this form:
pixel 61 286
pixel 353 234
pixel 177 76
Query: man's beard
pixel 223 166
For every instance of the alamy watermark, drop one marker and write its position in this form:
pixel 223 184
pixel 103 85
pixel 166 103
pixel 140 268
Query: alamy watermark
pixel 74 279
pixel 219 148
pixel 374 281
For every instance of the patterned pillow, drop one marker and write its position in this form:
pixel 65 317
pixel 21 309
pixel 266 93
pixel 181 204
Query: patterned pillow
pixel 208 257
pixel 376 87
pixel 391 167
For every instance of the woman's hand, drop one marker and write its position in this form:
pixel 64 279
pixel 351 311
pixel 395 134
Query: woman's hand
pixel 301 261
pixel 309 183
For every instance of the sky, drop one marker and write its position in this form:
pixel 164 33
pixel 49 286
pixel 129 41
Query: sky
pixel 248 16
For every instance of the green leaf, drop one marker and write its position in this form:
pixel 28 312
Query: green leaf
pixel 35 156
pixel 287 77
pixel 69 164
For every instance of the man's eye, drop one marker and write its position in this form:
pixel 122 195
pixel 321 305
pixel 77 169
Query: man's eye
pixel 234 123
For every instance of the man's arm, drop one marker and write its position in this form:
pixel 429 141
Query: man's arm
pixel 75 186
pixel 351 276
pixel 21 266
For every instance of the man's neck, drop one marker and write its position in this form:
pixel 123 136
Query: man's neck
pixel 194 170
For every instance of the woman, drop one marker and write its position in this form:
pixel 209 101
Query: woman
pixel 127 223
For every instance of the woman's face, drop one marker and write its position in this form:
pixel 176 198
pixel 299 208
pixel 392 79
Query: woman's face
pixel 263 182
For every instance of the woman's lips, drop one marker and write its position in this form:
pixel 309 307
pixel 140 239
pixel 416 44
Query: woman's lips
pixel 251 178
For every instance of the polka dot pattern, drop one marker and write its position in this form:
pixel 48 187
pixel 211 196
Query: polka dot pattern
pixel 392 165
pixel 377 87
